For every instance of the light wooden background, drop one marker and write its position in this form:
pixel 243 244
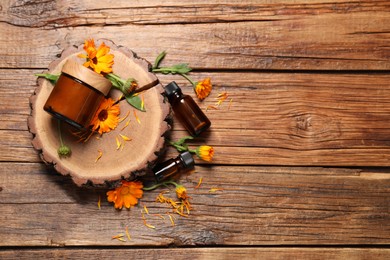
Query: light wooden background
pixel 302 154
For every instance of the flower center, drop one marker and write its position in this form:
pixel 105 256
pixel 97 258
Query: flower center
pixel 103 115
pixel 95 60
pixel 125 190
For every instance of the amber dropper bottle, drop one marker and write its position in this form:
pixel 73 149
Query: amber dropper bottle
pixel 186 110
pixel 171 167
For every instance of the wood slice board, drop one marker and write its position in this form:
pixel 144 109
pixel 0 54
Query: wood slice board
pixel 129 161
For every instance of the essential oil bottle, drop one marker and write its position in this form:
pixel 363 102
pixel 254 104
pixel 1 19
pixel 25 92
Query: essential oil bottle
pixel 186 110
pixel 173 166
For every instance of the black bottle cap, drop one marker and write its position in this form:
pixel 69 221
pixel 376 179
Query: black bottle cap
pixel 171 88
pixel 187 159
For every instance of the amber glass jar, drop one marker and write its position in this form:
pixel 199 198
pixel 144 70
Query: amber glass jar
pixel 77 95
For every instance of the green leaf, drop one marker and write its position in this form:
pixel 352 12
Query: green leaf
pixel 181 68
pixel 175 69
pixel 159 58
pixel 51 77
pixel 181 141
pixel 136 102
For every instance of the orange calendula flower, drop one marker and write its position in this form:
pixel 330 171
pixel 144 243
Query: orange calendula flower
pixel 106 117
pixel 205 152
pixel 203 88
pixel 97 59
pixel 126 195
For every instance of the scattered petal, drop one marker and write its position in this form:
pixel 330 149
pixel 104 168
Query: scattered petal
pixel 215 190
pixel 127 233
pixel 127 123
pixel 125 137
pixel 118 236
pixel 119 98
pixel 99 202
pixel 211 107
pixel 118 143
pixel 180 213
pixel 159 215
pixel 149 226
pixel 222 97
pixel 136 117
pixel 146 210
pixel 171 219
pixel 230 103
pixel 199 183
pixel 123 118
pixel 99 156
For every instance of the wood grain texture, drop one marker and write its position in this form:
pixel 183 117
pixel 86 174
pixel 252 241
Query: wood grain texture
pixel 337 35
pixel 277 119
pixel 202 253
pixel 309 82
pixel 269 206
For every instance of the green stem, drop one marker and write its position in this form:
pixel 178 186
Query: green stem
pixel 188 78
pixel 192 150
pixel 180 148
pixel 59 132
pixel 166 70
pixel 114 76
pixel 160 184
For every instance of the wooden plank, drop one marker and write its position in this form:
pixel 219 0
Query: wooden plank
pixel 173 12
pixel 274 118
pixel 336 35
pixel 201 253
pixel 270 205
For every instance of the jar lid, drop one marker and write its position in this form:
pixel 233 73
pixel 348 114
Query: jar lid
pixel 88 76
pixel 187 159
pixel 171 88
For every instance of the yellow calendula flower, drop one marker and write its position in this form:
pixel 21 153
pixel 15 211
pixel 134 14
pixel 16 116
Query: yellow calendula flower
pixel 203 88
pixel 106 117
pixel 181 192
pixel 126 195
pixel 97 59
pixel 205 152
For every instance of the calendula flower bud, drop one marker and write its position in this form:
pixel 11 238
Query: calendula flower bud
pixel 181 192
pixel 64 151
pixel 129 86
pixel 205 152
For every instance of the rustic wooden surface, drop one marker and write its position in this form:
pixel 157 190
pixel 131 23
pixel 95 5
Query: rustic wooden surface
pixel 302 153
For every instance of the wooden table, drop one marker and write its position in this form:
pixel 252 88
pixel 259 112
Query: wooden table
pixel 302 150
